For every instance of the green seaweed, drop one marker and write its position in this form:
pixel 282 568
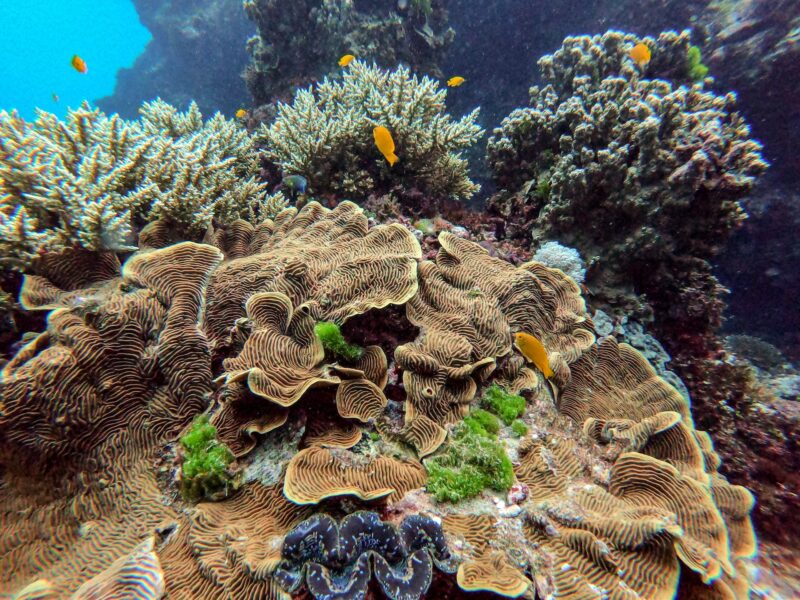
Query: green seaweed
pixel 519 428
pixel 506 406
pixel 473 461
pixel 330 334
pixel 694 64
pixel 542 191
pixel 482 423
pixel 204 471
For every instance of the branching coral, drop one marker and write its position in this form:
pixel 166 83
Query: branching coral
pixel 326 135
pixel 92 180
pixel 302 40
pixel 636 165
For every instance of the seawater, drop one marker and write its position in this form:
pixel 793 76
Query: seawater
pixel 38 39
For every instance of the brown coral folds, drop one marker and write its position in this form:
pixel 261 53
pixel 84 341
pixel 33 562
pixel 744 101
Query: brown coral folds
pixel 327 260
pixel 282 357
pixel 316 473
pixel 468 306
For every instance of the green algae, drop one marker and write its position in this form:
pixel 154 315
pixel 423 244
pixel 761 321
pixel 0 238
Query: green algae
pixel 204 472
pixel 474 460
pixel 694 64
pixel 505 405
pixel 330 334
pixel 519 428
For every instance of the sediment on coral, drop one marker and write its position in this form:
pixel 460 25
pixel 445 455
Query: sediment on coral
pixel 326 135
pixel 302 41
pixel 612 477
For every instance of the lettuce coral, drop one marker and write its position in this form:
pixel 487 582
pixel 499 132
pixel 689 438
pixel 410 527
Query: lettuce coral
pixel 325 134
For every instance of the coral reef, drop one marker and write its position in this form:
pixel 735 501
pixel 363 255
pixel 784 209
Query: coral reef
pixel 89 181
pixel 326 135
pixel 646 171
pixel 612 478
pixel 302 42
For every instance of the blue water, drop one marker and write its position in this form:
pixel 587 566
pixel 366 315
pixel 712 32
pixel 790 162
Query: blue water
pixel 39 38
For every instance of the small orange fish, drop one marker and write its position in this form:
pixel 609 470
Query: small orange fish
pixel 455 81
pixel 346 60
pixel 534 351
pixel 241 113
pixel 385 143
pixel 79 64
pixel 640 54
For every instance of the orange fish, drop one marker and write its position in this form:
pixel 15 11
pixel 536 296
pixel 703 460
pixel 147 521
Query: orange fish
pixel 534 351
pixel 79 64
pixel 640 54
pixel 385 143
pixel 346 60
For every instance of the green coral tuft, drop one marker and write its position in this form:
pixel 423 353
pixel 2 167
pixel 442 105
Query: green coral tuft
pixel 330 334
pixel 473 461
pixel 519 428
pixel 483 423
pixel 506 406
pixel 204 472
pixel 694 64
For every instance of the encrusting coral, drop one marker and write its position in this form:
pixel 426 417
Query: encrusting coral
pixel 326 135
pixel 611 479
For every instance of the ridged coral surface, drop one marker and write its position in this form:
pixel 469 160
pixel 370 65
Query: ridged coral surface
pixel 612 487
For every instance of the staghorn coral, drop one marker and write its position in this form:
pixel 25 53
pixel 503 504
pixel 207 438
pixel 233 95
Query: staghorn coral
pixel 612 478
pixel 332 558
pixel 302 41
pixel 92 180
pixel 325 134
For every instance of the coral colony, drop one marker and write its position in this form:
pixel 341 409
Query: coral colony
pixel 235 397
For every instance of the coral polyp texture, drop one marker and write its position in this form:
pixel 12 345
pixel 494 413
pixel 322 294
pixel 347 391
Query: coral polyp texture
pixel 326 135
pixel 347 476
pixel 93 180
pixel 299 42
